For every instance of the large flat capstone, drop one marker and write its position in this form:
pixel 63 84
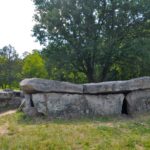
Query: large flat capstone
pixel 117 86
pixel 36 85
pixel 138 101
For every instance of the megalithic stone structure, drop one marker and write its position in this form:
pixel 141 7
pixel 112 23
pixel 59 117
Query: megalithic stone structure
pixel 63 99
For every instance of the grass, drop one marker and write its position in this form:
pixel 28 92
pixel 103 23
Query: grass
pixel 19 132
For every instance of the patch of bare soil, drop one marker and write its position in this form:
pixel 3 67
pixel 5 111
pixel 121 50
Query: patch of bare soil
pixel 4 129
pixel 7 113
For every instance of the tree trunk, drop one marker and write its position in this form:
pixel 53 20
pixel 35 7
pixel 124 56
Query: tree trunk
pixel 90 73
pixel 90 77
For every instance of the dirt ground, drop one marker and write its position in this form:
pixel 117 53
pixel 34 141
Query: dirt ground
pixel 7 112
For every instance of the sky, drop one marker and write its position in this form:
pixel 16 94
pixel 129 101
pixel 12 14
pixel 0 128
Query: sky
pixel 16 23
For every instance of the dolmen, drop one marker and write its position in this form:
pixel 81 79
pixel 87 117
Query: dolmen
pixel 58 99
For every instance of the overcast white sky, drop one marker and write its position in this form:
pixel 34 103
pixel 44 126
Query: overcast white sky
pixel 16 23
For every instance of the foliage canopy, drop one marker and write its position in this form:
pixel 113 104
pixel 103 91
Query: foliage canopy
pixel 34 66
pixel 97 38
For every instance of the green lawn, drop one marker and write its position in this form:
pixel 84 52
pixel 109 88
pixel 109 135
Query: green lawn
pixel 19 132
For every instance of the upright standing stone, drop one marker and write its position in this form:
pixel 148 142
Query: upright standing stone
pixel 138 101
pixel 102 105
pixel 29 108
pixel 60 105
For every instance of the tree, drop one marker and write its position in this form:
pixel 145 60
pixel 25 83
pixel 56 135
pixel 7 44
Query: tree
pixel 3 80
pixel 59 67
pixel 34 66
pixel 10 66
pixel 95 33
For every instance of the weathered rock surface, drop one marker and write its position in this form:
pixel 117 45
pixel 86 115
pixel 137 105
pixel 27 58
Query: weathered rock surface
pixel 40 103
pixel 110 104
pixel 59 105
pixel 27 100
pixel 74 105
pixel 10 99
pixel 67 100
pixel 29 108
pixel 36 85
pixel 30 111
pixel 5 95
pixel 117 86
pixel 138 101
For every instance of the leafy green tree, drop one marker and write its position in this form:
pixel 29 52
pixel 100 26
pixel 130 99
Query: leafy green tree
pixel 59 67
pixel 10 67
pixel 3 80
pixel 95 37
pixel 34 66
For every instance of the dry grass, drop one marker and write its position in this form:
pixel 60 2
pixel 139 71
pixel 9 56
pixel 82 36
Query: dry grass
pixel 19 132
